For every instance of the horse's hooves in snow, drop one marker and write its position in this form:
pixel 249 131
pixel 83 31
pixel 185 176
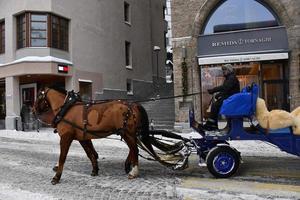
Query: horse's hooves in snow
pixel 94 173
pixel 54 181
pixel 55 168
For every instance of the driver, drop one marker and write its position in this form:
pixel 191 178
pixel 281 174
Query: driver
pixel 229 87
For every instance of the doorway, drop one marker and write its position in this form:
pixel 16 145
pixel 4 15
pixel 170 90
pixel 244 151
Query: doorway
pixel 274 86
pixel 28 94
pixel 85 90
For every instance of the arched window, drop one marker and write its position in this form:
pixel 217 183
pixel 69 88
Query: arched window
pixel 231 15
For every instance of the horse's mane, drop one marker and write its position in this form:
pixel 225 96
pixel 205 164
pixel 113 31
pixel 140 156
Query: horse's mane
pixel 59 89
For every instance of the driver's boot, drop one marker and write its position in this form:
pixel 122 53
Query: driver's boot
pixel 210 125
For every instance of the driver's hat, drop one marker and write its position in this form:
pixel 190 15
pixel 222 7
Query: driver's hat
pixel 227 67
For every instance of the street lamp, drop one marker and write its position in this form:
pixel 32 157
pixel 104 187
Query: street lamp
pixel 156 49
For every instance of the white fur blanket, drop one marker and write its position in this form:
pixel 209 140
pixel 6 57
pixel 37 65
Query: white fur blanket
pixel 277 118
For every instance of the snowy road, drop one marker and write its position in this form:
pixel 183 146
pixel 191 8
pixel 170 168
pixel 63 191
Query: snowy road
pixel 27 158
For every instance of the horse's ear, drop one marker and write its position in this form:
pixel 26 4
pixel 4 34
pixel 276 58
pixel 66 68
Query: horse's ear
pixel 41 89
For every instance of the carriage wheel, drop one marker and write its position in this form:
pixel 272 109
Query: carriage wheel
pixel 223 161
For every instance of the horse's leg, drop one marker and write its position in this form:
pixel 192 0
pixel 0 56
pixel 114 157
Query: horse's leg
pixel 90 151
pixel 132 159
pixel 95 154
pixel 65 143
pixel 127 165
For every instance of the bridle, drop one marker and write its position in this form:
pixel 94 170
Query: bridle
pixel 42 98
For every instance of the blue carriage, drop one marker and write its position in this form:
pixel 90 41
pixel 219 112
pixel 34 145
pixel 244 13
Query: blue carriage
pixel 222 159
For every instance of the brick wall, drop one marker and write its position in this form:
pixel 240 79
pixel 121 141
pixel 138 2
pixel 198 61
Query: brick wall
pixel 188 18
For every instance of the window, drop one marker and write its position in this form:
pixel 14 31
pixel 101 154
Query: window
pixel 231 15
pixel 2 37
pixel 21 31
pixel 60 33
pixel 129 87
pixel 128 55
pixel 42 30
pixel 126 12
pixel 38 30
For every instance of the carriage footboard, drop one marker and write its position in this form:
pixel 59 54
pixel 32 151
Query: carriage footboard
pixel 173 154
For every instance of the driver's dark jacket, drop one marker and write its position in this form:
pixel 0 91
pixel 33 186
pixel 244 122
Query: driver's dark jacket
pixel 229 87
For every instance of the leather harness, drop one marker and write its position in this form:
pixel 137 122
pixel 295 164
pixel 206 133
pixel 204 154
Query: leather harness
pixel 74 98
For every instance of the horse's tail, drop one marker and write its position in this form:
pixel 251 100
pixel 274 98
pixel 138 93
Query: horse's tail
pixel 144 131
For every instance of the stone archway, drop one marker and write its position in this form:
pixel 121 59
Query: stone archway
pixel 287 16
pixel 277 7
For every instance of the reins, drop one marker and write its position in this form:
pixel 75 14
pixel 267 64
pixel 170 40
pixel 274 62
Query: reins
pixel 149 99
pixel 166 97
pixel 86 104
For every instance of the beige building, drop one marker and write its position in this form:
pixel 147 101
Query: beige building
pixel 259 37
pixel 103 49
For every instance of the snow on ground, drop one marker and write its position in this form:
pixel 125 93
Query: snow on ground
pixel 9 193
pixel 48 135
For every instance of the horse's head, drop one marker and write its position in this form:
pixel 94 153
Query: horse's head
pixel 41 105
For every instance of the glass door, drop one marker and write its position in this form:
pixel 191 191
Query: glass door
pixel 274 88
pixel 28 94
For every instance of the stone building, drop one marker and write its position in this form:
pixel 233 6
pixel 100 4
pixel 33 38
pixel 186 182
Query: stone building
pixel 260 38
pixel 101 48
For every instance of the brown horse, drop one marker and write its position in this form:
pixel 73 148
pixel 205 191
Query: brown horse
pixel 97 120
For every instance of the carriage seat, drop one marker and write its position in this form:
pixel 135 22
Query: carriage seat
pixel 242 104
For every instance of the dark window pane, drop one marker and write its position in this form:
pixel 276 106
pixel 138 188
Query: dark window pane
pixel 59 33
pixel 21 31
pixel 38 42
pixel 127 54
pixel 126 12
pixel 2 37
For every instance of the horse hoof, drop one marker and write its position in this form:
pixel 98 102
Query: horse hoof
pixel 131 176
pixel 94 174
pixel 54 181
pixel 55 168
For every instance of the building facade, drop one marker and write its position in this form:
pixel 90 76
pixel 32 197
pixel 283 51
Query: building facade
pixel 260 38
pixel 103 49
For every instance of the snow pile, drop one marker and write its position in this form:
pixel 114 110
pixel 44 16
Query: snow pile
pixel 39 59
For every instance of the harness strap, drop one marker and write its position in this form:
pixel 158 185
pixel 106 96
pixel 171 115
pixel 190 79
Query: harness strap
pixel 92 132
pixel 70 99
pixel 85 118
pixel 84 129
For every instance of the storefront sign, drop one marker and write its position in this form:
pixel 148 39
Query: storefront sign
pixel 254 41
pixel 242 58
pixel 63 68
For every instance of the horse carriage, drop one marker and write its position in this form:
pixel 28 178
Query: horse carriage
pixel 212 147
pixel 76 120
